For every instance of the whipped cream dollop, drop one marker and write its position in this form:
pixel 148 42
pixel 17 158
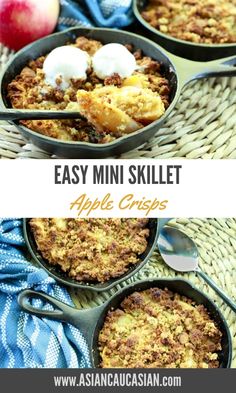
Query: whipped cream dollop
pixel 66 63
pixel 113 58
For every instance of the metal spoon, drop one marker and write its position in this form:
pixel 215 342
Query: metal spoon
pixel 181 254
pixel 26 114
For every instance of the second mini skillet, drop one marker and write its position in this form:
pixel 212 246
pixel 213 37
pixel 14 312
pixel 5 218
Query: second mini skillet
pixel 187 49
pixel 90 321
pixel 178 71
pixel 154 225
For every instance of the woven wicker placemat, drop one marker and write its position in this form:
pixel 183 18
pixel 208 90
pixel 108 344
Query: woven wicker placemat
pixel 216 241
pixel 203 125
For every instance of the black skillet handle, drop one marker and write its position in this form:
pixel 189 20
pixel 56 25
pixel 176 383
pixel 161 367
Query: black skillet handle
pixel 217 289
pixel 189 70
pixel 63 312
pixel 83 319
pixel 26 114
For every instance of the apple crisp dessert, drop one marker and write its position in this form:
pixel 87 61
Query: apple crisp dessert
pixel 157 328
pixel 91 249
pixel 199 21
pixel 112 105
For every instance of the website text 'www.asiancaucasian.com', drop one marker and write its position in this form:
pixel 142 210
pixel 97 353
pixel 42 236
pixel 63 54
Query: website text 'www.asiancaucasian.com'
pixel 117 380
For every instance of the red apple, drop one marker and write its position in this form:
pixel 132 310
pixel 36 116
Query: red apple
pixel 24 21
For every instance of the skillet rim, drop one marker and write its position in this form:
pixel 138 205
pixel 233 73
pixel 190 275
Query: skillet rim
pixel 171 38
pixel 153 282
pixel 66 281
pixel 88 145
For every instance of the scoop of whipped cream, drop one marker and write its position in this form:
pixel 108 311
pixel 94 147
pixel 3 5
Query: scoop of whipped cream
pixel 113 58
pixel 66 63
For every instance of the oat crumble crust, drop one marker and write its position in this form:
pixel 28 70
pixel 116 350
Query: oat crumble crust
pixel 29 91
pixel 199 21
pixel 91 249
pixel 157 328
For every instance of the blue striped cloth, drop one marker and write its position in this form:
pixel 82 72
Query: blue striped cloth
pixel 27 341
pixel 103 13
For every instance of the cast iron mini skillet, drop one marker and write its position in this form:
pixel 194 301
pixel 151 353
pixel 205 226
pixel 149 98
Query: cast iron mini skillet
pixel 154 225
pixel 90 321
pixel 178 71
pixel 189 50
